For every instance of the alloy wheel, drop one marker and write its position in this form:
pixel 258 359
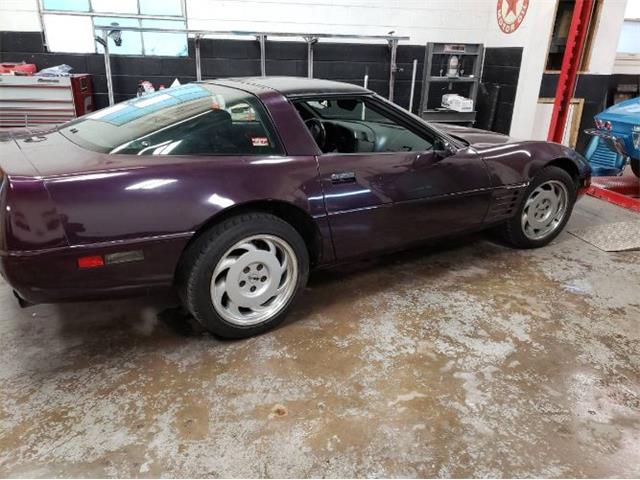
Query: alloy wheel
pixel 254 280
pixel 545 209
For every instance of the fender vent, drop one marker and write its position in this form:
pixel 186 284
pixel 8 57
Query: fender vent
pixel 504 203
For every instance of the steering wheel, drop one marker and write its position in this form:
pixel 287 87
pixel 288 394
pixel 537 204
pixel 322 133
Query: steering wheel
pixel 318 131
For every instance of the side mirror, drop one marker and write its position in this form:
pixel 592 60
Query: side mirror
pixel 442 149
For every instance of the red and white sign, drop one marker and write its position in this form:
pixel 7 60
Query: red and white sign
pixel 511 13
pixel 260 141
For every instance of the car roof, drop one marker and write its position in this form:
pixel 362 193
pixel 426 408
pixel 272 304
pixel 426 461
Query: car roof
pixel 298 86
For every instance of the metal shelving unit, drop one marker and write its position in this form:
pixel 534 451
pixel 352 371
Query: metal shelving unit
pixel 467 53
pixel 261 37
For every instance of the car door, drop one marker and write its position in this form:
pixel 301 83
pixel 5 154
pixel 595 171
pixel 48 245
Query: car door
pixel 396 187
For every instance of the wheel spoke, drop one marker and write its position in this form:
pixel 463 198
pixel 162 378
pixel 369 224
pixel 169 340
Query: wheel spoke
pixel 271 246
pixel 284 265
pixel 218 290
pixel 225 264
pixel 282 287
pixel 249 246
pixel 530 201
pixel 233 308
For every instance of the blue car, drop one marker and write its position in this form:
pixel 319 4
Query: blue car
pixel 616 139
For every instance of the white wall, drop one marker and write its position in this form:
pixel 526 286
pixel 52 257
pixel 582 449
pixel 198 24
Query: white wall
pixel 605 44
pixel 19 16
pixel 629 63
pixel 422 20
pixel 633 9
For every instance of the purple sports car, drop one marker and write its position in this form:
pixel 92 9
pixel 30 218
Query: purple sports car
pixel 230 191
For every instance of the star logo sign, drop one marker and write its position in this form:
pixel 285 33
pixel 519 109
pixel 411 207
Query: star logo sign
pixel 511 6
pixel 510 14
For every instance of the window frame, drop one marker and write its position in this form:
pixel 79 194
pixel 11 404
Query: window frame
pixel 390 110
pixel 92 14
pixel 267 123
pixel 270 127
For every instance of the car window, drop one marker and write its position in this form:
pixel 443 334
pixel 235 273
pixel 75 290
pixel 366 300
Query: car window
pixel 355 125
pixel 194 119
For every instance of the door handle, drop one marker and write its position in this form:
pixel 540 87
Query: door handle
pixel 343 177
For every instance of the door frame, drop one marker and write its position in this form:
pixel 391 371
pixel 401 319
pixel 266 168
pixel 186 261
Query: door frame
pixel 405 119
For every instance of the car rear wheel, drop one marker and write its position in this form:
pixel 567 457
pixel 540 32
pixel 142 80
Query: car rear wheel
pixel 241 277
pixel 544 211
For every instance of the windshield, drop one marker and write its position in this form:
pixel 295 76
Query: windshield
pixel 180 120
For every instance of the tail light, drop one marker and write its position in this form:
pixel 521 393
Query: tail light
pixel 603 124
pixel 95 261
pixel 91 261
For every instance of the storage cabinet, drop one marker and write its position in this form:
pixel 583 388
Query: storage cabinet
pixel 27 101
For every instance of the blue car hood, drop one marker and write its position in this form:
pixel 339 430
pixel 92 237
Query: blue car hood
pixel 624 112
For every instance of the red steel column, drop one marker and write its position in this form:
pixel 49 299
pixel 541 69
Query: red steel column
pixel 570 65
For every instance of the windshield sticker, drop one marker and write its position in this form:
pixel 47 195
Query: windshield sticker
pixel 260 141
pixel 218 102
pixel 106 111
pixel 132 110
pixel 145 102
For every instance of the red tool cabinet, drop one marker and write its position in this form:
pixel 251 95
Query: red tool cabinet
pixel 27 100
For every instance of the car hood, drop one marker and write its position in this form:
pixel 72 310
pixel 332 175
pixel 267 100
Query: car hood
pixel 627 112
pixel 473 136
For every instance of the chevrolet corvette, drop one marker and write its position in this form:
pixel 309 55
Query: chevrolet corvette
pixel 231 191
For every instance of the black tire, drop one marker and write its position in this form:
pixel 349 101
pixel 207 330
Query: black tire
pixel 193 276
pixel 513 232
pixel 635 166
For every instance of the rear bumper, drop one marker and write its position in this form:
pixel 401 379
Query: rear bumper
pixel 52 276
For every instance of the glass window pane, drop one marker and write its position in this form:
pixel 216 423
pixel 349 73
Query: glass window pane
pixel 69 34
pixel 115 6
pixel 194 119
pixel 161 7
pixel 629 37
pixel 131 42
pixel 69 5
pixel 174 44
pixel 354 126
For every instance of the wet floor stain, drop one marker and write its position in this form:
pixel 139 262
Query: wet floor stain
pixel 469 360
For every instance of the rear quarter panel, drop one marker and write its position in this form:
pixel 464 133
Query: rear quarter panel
pixel 155 209
pixel 179 196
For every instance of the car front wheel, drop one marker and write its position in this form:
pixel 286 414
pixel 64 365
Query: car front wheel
pixel 241 277
pixel 544 211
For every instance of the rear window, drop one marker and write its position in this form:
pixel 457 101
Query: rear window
pixel 194 119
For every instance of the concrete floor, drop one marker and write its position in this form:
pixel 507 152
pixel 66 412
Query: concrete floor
pixel 470 360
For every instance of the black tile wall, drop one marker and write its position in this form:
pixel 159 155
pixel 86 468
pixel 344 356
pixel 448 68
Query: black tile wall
pixel 30 42
pixel 501 71
pixel 348 62
pixel 225 58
